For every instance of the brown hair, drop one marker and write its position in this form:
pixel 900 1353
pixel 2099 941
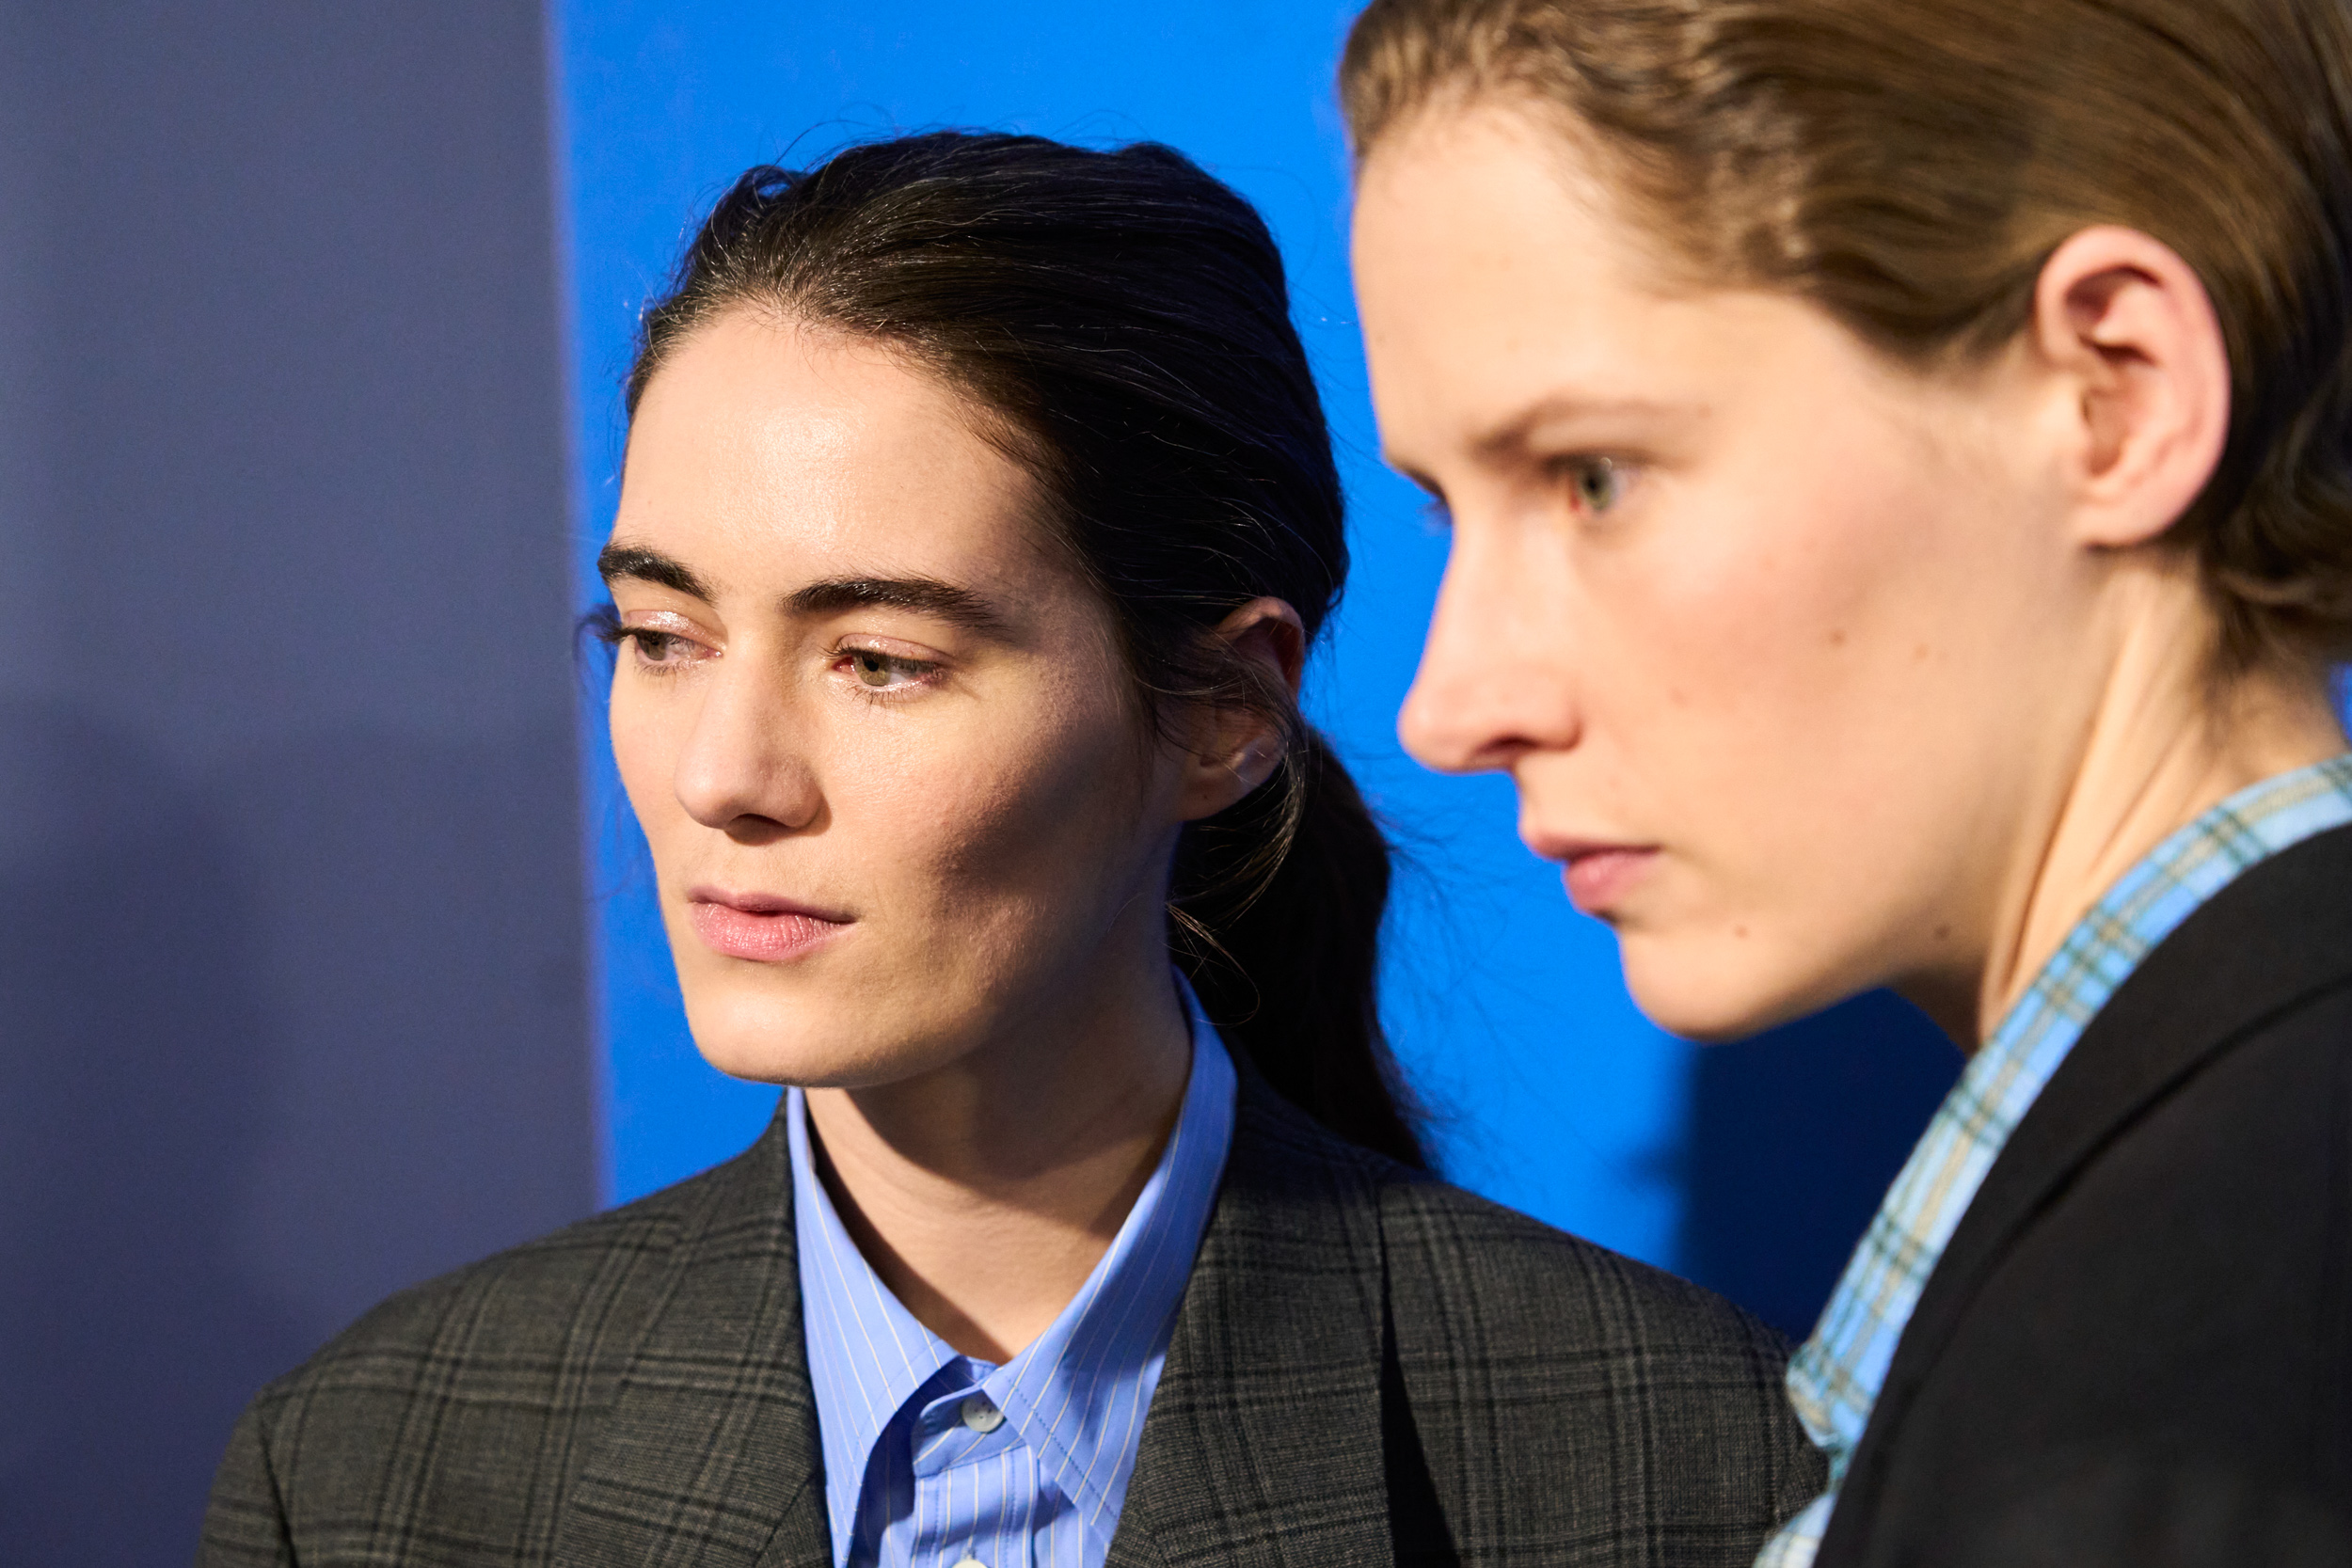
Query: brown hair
pixel 1909 165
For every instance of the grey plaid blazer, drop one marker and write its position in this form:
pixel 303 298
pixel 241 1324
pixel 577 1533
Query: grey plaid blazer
pixel 1368 1368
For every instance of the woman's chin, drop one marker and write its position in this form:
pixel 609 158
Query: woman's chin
pixel 1713 991
pixel 811 1045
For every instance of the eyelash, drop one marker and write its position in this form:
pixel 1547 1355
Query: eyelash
pixel 604 624
pixel 648 641
pixel 921 669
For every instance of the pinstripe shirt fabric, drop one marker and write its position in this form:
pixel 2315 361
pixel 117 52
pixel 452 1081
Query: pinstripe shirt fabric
pixel 1835 1376
pixel 933 1458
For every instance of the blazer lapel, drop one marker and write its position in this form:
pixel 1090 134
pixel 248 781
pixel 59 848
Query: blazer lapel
pixel 1263 1445
pixel 710 1456
pixel 2280 932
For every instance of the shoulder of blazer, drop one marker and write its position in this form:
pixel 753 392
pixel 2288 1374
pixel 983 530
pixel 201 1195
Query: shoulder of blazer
pixel 581 1295
pixel 1525 1283
pixel 573 1399
pixel 2266 946
pixel 1561 1396
pixel 1372 1366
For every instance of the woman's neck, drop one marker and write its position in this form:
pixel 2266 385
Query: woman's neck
pixel 2167 740
pixel 984 1193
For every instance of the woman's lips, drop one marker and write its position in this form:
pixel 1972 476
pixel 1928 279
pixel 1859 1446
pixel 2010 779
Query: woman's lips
pixel 1597 877
pixel 758 928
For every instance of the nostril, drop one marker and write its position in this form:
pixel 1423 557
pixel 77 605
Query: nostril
pixel 752 829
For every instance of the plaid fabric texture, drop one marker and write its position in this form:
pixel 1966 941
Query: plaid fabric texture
pixel 1835 1378
pixel 1368 1368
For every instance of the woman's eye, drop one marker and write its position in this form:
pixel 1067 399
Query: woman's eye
pixel 1596 483
pixel 882 672
pixel 659 649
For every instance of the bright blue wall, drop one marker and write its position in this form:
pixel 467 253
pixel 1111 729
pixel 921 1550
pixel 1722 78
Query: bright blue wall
pixel 1506 1005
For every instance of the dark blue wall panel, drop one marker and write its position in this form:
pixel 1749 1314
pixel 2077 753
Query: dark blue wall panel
pixel 1792 1140
pixel 292 994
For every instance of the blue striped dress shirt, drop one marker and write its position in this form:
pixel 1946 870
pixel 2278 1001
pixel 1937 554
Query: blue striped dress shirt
pixel 933 1459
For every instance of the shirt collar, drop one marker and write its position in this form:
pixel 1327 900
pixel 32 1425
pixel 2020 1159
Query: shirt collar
pixel 1835 1376
pixel 868 1355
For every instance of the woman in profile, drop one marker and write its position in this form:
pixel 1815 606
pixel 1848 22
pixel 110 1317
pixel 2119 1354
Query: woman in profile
pixel 978 519
pixel 1899 454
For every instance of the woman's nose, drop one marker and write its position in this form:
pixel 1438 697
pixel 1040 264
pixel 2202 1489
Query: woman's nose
pixel 1493 680
pixel 740 770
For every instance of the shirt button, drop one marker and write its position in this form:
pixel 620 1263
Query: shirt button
pixel 981 1415
pixel 970 1561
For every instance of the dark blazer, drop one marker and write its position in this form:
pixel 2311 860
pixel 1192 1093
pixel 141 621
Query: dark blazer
pixel 1369 1367
pixel 2138 1349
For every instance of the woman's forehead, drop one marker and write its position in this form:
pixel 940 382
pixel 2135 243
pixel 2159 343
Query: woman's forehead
pixel 762 448
pixel 1502 305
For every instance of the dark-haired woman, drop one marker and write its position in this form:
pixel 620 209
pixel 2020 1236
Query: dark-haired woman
pixel 979 515
pixel 1901 460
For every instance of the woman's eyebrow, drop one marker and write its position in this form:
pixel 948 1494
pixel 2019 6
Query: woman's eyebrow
pixel 925 596
pixel 1511 436
pixel 615 562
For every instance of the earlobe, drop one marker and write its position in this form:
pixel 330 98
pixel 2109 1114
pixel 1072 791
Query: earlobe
pixel 1231 769
pixel 1243 744
pixel 2128 326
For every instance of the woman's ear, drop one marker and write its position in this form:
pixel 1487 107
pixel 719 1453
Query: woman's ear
pixel 2128 328
pixel 1236 747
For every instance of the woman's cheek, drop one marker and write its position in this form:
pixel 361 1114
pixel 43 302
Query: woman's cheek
pixel 1052 812
pixel 646 760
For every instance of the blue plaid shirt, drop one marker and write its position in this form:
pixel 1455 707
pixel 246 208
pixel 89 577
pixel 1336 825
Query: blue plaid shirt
pixel 1835 1378
pixel 935 1459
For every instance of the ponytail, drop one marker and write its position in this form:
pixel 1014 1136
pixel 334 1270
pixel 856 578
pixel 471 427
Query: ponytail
pixel 1274 918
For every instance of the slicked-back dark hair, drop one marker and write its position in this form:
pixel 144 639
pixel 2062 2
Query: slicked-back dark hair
pixel 1121 321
